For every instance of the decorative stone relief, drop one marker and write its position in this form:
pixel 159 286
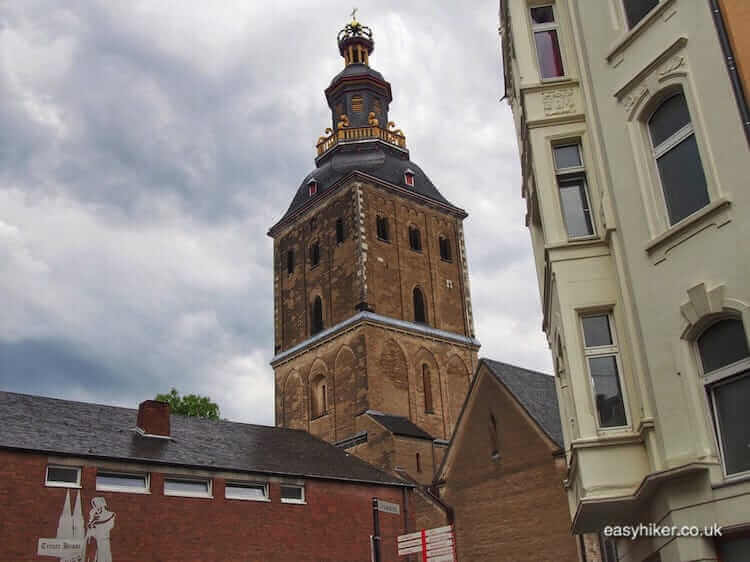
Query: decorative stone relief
pixel 634 98
pixel 673 64
pixel 559 102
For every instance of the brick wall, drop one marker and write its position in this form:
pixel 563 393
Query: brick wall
pixel 334 524
pixel 513 508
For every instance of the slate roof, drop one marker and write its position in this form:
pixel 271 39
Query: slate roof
pixel 399 425
pixel 49 425
pixel 372 158
pixel 535 392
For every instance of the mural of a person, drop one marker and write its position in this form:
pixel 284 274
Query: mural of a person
pixel 101 522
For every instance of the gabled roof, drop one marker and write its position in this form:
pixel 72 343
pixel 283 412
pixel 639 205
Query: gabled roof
pixel 535 391
pixel 52 426
pixel 399 425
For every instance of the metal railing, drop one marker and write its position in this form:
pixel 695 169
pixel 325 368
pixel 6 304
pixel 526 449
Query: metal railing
pixel 359 133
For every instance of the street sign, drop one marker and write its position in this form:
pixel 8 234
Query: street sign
pixel 62 548
pixel 388 507
pixel 435 545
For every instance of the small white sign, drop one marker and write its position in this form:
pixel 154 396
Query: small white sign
pixel 61 548
pixel 388 507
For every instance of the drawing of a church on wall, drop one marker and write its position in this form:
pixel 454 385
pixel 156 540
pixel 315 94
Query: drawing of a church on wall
pixel 77 541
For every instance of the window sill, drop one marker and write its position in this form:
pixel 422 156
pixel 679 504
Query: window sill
pixel 122 490
pixel 445 260
pixel 262 500
pixel 55 485
pixel 415 251
pixel 688 226
pixel 385 240
pixel 636 31
pixel 319 416
pixel 296 502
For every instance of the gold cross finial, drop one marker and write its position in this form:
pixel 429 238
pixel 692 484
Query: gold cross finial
pixel 354 14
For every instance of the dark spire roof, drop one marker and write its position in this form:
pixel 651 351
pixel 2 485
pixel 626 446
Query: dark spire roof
pixel 361 139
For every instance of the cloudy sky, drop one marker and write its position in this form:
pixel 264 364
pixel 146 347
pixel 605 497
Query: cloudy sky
pixel 146 146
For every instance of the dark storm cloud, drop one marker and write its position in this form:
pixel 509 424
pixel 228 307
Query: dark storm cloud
pixel 146 147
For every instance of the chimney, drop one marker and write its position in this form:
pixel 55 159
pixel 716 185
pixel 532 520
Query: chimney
pixel 153 418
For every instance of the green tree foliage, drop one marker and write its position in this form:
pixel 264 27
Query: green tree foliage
pixel 190 405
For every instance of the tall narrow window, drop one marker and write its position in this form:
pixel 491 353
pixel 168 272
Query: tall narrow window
pixel 427 387
pixel 571 180
pixel 316 324
pixel 420 311
pixel 678 159
pixel 445 249
pixel 312 188
pixel 382 228
pixel 419 463
pixel 290 261
pixel 544 26
pixel 314 254
pixel 495 453
pixel 415 239
pixel 636 10
pixel 339 231
pixel 725 358
pixel 602 355
pixel 319 399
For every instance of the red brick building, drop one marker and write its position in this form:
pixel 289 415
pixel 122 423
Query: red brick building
pixel 144 485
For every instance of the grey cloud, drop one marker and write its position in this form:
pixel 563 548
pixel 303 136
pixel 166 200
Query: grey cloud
pixel 144 151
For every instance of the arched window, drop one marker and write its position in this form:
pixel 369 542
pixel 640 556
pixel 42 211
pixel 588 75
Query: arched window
pixel 415 239
pixel 427 387
pixel 677 158
pixel 316 323
pixel 318 397
pixel 339 231
pixel 382 228
pixel 420 310
pixel 445 249
pixel 290 261
pixel 725 358
pixel 314 254
pixel 494 452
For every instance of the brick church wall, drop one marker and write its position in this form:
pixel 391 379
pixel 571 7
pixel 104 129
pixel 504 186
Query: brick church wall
pixel 513 508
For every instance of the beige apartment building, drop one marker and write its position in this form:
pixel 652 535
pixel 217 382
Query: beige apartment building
pixel 635 169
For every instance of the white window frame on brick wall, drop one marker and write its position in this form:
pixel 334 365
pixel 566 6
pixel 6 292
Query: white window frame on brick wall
pixel 292 500
pixel 207 494
pixel 59 483
pixel 246 484
pixel 125 476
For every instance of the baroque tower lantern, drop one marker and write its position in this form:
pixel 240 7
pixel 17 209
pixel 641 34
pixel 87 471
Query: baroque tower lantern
pixel 372 311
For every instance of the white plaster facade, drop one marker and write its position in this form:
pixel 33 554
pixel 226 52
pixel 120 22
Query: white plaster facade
pixel 661 282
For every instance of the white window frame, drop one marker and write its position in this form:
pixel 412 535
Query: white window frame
pixel 209 488
pixel 129 489
pixel 670 143
pixel 714 379
pixel 547 27
pixel 57 484
pixel 293 500
pixel 611 350
pixel 246 484
pixel 572 172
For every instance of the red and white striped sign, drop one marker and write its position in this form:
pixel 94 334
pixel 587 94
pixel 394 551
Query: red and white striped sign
pixel 435 545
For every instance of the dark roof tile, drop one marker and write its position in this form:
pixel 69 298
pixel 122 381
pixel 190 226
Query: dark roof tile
pixel 50 425
pixel 399 425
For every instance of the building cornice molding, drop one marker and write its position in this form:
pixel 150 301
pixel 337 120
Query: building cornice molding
pixel 370 318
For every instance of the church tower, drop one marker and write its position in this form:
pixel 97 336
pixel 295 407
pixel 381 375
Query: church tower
pixel 372 310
